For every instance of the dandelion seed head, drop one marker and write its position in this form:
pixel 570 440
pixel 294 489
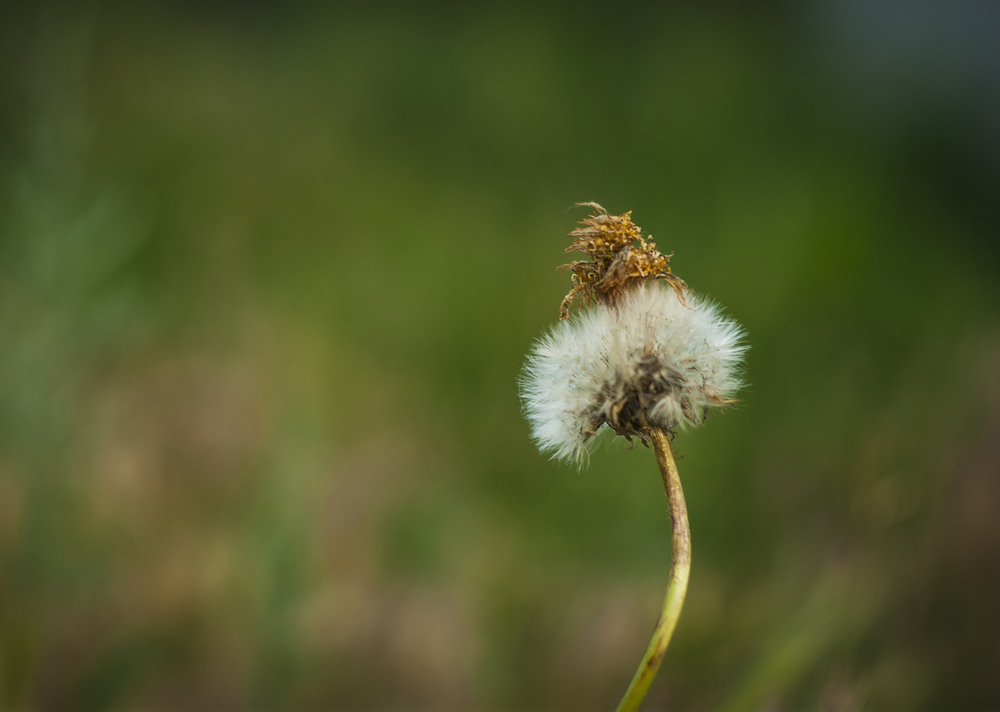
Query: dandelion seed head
pixel 647 354
pixel 648 362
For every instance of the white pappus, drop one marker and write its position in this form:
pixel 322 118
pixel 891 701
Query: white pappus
pixel 648 361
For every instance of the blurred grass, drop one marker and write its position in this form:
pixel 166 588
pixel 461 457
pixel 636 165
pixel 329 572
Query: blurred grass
pixel 266 281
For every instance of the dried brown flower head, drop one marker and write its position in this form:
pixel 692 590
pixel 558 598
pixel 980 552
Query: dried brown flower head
pixel 620 257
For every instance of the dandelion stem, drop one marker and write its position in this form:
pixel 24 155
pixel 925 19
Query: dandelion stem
pixel 680 568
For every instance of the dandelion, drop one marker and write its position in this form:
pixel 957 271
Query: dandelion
pixel 646 359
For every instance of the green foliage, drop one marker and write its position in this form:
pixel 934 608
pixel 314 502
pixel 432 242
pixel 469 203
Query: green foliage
pixel 266 282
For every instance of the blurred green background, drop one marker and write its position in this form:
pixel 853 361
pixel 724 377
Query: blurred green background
pixel 267 277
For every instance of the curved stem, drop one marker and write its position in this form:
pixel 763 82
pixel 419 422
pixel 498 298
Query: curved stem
pixel 680 568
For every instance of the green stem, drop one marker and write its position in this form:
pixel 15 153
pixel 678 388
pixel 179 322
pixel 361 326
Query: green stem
pixel 680 569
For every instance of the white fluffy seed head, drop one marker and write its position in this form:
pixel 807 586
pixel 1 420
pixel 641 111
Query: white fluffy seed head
pixel 649 361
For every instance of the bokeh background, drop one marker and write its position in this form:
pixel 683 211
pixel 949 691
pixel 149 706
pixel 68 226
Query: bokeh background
pixel 267 276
